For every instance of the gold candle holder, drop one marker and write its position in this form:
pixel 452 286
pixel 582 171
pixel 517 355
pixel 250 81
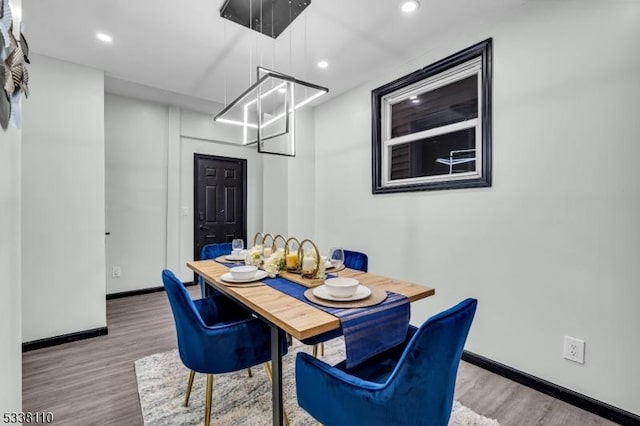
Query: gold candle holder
pixel 267 250
pixel 256 240
pixel 291 259
pixel 308 272
pixel 274 246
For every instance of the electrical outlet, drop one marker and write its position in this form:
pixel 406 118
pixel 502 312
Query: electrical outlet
pixel 116 272
pixel 574 349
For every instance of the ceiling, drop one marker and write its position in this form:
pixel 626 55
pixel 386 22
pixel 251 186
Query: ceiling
pixel 187 51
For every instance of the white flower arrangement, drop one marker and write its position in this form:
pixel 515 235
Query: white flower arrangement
pixel 254 256
pixel 275 263
pixel 321 270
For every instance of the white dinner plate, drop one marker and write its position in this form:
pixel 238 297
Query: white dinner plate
pixel 260 274
pixel 322 292
pixel 234 258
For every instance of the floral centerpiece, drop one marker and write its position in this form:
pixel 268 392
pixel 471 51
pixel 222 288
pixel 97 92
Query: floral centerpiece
pixel 274 263
pixel 254 256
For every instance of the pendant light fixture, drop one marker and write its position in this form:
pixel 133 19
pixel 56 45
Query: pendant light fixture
pixel 264 114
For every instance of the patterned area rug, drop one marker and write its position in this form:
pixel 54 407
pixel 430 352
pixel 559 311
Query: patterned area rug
pixel 237 399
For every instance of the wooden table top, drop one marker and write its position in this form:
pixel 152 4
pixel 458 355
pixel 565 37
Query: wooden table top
pixel 298 318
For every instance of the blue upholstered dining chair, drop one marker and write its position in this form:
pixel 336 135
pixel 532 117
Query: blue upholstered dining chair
pixel 411 384
pixel 211 251
pixel 216 335
pixel 356 260
pixel 353 260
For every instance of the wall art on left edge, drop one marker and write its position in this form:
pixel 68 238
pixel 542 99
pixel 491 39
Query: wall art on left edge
pixel 14 77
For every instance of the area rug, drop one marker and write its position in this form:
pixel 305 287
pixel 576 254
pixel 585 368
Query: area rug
pixel 237 398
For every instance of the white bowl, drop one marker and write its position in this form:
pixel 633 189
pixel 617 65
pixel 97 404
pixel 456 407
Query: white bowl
pixel 243 272
pixel 341 286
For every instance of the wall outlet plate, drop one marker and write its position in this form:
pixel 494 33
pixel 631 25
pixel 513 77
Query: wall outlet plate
pixel 574 349
pixel 116 272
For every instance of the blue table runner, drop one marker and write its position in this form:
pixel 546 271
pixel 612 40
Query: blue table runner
pixel 367 331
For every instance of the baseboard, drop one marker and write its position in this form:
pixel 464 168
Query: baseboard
pixel 141 291
pixel 134 292
pixel 567 395
pixel 65 338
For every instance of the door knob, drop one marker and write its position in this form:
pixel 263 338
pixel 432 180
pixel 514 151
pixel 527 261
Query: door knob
pixel 202 227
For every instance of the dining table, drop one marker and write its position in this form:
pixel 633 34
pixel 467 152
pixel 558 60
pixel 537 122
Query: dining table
pixel 287 314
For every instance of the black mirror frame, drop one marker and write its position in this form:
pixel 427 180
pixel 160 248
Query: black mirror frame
pixel 483 50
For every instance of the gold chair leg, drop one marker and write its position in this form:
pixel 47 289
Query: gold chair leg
pixel 315 350
pixel 267 369
pixel 207 407
pixel 192 374
pixel 322 349
pixel 249 371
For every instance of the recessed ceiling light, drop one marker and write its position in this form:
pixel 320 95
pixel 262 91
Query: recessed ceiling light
pixel 413 97
pixel 410 6
pixel 104 37
pixel 416 101
pixel 323 64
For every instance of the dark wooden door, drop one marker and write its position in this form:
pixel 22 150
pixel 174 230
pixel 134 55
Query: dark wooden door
pixel 220 198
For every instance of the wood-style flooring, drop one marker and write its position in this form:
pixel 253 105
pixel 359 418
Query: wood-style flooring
pixel 92 382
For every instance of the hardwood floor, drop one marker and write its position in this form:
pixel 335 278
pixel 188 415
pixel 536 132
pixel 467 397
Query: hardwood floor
pixel 92 382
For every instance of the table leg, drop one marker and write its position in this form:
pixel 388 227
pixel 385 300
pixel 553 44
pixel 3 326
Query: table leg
pixel 276 365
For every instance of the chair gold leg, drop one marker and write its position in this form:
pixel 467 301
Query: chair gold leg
pixel 249 371
pixel 322 349
pixel 207 407
pixel 267 369
pixel 315 350
pixel 192 374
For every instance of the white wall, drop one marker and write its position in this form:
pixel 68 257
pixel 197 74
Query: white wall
pixel 302 179
pixel 552 248
pixel 10 271
pixel 63 246
pixel 275 190
pixel 10 266
pixel 136 141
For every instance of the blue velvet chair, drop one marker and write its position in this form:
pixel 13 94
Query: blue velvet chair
pixel 353 260
pixel 211 251
pixel 216 335
pixel 356 260
pixel 411 384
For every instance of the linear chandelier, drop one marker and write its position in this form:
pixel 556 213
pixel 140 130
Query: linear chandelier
pixel 264 114
pixel 266 110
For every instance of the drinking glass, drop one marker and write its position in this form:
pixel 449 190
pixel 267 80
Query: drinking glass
pixel 237 245
pixel 336 257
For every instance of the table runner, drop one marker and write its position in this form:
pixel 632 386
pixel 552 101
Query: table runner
pixel 367 331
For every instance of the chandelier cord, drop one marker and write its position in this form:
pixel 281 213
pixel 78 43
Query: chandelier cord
pixel 224 69
pixel 250 47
